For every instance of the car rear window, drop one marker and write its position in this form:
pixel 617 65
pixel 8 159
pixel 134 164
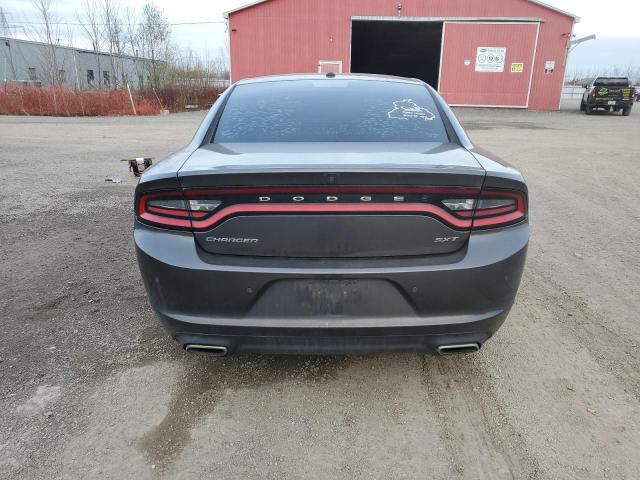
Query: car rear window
pixel 330 110
pixel 611 82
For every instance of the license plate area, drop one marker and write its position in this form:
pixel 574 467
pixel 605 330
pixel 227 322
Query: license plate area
pixel 611 102
pixel 332 298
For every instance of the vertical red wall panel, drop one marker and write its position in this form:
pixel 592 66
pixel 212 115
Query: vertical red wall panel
pixel 461 84
pixel 292 36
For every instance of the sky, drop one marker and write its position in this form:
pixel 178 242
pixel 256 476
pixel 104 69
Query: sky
pixel 615 23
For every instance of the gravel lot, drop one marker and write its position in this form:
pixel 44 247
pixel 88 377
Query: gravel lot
pixel 92 387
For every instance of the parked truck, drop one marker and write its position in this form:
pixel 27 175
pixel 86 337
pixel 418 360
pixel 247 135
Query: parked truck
pixel 608 93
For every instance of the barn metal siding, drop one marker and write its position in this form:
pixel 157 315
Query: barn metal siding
pixel 291 36
pixel 460 84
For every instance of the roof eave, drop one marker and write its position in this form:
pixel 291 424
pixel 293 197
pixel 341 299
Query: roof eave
pixel 576 19
pixel 244 7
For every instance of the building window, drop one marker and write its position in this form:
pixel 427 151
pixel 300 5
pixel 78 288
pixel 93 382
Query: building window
pixel 90 77
pixel 32 74
pixel 62 76
pixel 106 79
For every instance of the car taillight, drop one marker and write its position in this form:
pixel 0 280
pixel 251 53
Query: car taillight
pixel 594 91
pixel 201 210
pixel 493 208
pixel 172 210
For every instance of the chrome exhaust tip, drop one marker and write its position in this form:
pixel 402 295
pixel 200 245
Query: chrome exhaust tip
pixel 211 350
pixel 458 348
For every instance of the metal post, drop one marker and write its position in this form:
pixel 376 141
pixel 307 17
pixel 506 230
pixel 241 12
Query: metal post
pixel 133 105
pixel 75 63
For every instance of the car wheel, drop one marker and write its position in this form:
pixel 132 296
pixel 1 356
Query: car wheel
pixel 626 112
pixel 582 106
pixel 588 109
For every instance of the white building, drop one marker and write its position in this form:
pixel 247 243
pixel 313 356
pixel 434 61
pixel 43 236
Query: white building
pixel 35 63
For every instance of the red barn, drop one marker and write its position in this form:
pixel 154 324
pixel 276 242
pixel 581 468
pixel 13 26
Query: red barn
pixel 494 53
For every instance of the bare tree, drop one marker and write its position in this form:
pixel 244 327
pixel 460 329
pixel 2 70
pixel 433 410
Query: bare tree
pixel 114 39
pixel 5 28
pixel 49 33
pixel 583 75
pixel 156 36
pixel 222 61
pixel 134 42
pixel 9 62
pixel 89 19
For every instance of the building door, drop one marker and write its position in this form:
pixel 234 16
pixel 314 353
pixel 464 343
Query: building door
pixel 397 47
pixel 487 64
pixel 327 66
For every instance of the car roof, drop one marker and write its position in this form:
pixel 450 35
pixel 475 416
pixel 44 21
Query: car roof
pixel 326 76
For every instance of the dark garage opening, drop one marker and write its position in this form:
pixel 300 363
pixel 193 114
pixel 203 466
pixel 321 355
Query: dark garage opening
pixel 406 49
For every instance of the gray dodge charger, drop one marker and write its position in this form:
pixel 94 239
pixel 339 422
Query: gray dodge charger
pixel 330 214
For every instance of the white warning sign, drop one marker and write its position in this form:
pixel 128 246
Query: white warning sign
pixel 549 66
pixel 490 59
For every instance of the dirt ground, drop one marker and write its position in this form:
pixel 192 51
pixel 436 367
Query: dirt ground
pixel 92 387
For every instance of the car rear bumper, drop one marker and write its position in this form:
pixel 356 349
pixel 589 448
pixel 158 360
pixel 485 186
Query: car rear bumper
pixel 250 304
pixel 605 103
pixel 273 337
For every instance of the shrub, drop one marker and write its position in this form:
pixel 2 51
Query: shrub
pixel 61 101
pixel 177 98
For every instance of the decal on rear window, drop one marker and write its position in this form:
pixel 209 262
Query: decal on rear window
pixel 406 109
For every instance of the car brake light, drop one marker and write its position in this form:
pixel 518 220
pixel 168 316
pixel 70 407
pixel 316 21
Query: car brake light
pixel 498 209
pixel 171 210
pixel 492 209
pixel 593 92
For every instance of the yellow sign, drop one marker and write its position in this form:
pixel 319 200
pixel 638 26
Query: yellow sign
pixel 517 67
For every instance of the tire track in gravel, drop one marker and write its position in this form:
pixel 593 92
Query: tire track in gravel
pixel 482 442
pixel 614 351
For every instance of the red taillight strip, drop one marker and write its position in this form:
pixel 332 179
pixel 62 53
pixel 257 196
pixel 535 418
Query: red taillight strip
pixel 494 211
pixel 175 212
pixel 495 217
pixel 144 198
pixel 406 208
pixel 165 221
pixel 199 214
pixel 168 211
pixel 498 221
pixel 491 217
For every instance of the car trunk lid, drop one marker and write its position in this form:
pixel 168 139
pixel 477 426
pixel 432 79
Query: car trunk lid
pixel 331 200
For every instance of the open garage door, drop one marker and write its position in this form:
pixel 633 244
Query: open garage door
pixel 406 49
pixel 487 64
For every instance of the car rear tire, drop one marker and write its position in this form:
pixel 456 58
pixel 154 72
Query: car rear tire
pixel 582 106
pixel 626 112
pixel 588 109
